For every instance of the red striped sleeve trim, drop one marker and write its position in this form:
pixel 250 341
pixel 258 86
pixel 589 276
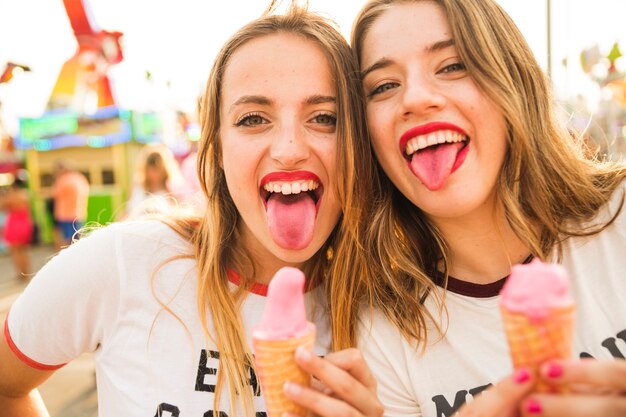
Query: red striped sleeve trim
pixel 28 361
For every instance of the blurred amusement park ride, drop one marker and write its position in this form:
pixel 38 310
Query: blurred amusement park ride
pixel 82 123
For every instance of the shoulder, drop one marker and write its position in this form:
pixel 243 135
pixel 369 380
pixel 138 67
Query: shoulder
pixel 374 326
pixel 614 208
pixel 143 236
pixel 150 232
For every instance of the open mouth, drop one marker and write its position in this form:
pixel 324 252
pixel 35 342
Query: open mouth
pixel 292 190
pixel 433 139
pixel 292 202
pixel 433 156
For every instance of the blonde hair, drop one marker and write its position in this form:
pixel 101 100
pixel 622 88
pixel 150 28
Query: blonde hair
pixel 550 184
pixel 215 235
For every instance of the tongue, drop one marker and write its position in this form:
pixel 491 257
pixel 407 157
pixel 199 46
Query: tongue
pixel 291 219
pixel 433 165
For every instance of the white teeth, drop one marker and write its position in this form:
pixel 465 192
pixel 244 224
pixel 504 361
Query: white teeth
pixel 291 187
pixel 434 138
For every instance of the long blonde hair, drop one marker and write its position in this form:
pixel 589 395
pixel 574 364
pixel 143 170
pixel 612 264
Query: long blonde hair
pixel 216 236
pixel 550 183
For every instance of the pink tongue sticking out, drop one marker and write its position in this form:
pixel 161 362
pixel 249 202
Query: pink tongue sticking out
pixel 284 315
pixel 433 165
pixel 291 219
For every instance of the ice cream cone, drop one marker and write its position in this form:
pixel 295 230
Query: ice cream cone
pixel 275 365
pixel 532 342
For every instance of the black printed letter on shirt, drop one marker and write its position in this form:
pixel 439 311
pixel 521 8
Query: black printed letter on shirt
pixel 167 410
pixel 444 409
pixel 203 371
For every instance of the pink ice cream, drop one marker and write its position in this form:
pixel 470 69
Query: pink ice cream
pixel 284 316
pixel 535 289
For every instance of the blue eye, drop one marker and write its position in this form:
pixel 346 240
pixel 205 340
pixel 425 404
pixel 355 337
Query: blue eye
pixel 382 88
pixel 250 120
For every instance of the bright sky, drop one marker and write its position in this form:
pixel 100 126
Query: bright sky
pixel 176 41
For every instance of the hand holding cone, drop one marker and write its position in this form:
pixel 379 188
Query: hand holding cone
pixel 538 316
pixel 282 329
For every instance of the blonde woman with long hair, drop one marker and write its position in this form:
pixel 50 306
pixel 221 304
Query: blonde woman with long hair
pixel 167 306
pixel 477 175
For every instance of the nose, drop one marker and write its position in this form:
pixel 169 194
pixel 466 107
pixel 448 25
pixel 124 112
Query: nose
pixel 289 146
pixel 421 96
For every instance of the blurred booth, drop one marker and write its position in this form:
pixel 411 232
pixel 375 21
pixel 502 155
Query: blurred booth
pixel 103 146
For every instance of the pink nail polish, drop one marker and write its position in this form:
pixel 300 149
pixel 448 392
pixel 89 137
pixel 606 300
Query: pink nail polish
pixel 533 406
pixel 521 376
pixel 554 370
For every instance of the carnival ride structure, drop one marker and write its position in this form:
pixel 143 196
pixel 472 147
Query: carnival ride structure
pixel 83 123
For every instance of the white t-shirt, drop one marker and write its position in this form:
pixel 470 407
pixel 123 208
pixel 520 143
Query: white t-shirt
pixel 474 352
pixel 97 296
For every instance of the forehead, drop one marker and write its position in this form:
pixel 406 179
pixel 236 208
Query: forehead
pixel 406 25
pixel 282 61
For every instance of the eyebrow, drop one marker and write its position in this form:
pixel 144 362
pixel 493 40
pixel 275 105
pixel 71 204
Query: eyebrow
pixel 320 99
pixel 385 62
pixel 262 100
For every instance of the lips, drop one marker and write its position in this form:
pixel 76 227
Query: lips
pixel 433 151
pixel 291 182
pixel 426 129
pixel 292 201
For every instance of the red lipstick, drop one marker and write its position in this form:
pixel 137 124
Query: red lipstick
pixel 425 129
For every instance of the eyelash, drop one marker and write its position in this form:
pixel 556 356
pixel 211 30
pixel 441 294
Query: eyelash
pixel 447 69
pixel 381 89
pixel 331 116
pixel 245 120
pixel 455 67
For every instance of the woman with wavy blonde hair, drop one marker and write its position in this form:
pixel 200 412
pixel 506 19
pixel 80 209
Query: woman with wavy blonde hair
pixel 167 306
pixel 477 174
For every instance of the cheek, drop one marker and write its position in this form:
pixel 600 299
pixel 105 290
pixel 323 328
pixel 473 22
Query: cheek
pixel 380 126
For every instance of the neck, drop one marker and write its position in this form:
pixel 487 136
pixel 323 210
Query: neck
pixel 482 246
pixel 265 263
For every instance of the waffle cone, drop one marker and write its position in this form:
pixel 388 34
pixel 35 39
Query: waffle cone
pixel 533 342
pixel 275 365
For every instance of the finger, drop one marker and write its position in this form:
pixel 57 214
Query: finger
pixel 341 381
pixel 503 399
pixel 352 361
pixel 574 406
pixel 317 402
pixel 588 372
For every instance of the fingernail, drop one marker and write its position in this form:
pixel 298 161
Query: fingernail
pixel 533 406
pixel 292 388
pixel 521 376
pixel 303 354
pixel 553 370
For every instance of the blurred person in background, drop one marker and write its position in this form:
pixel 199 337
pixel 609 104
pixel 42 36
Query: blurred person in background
pixel 70 193
pixel 157 183
pixel 19 226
